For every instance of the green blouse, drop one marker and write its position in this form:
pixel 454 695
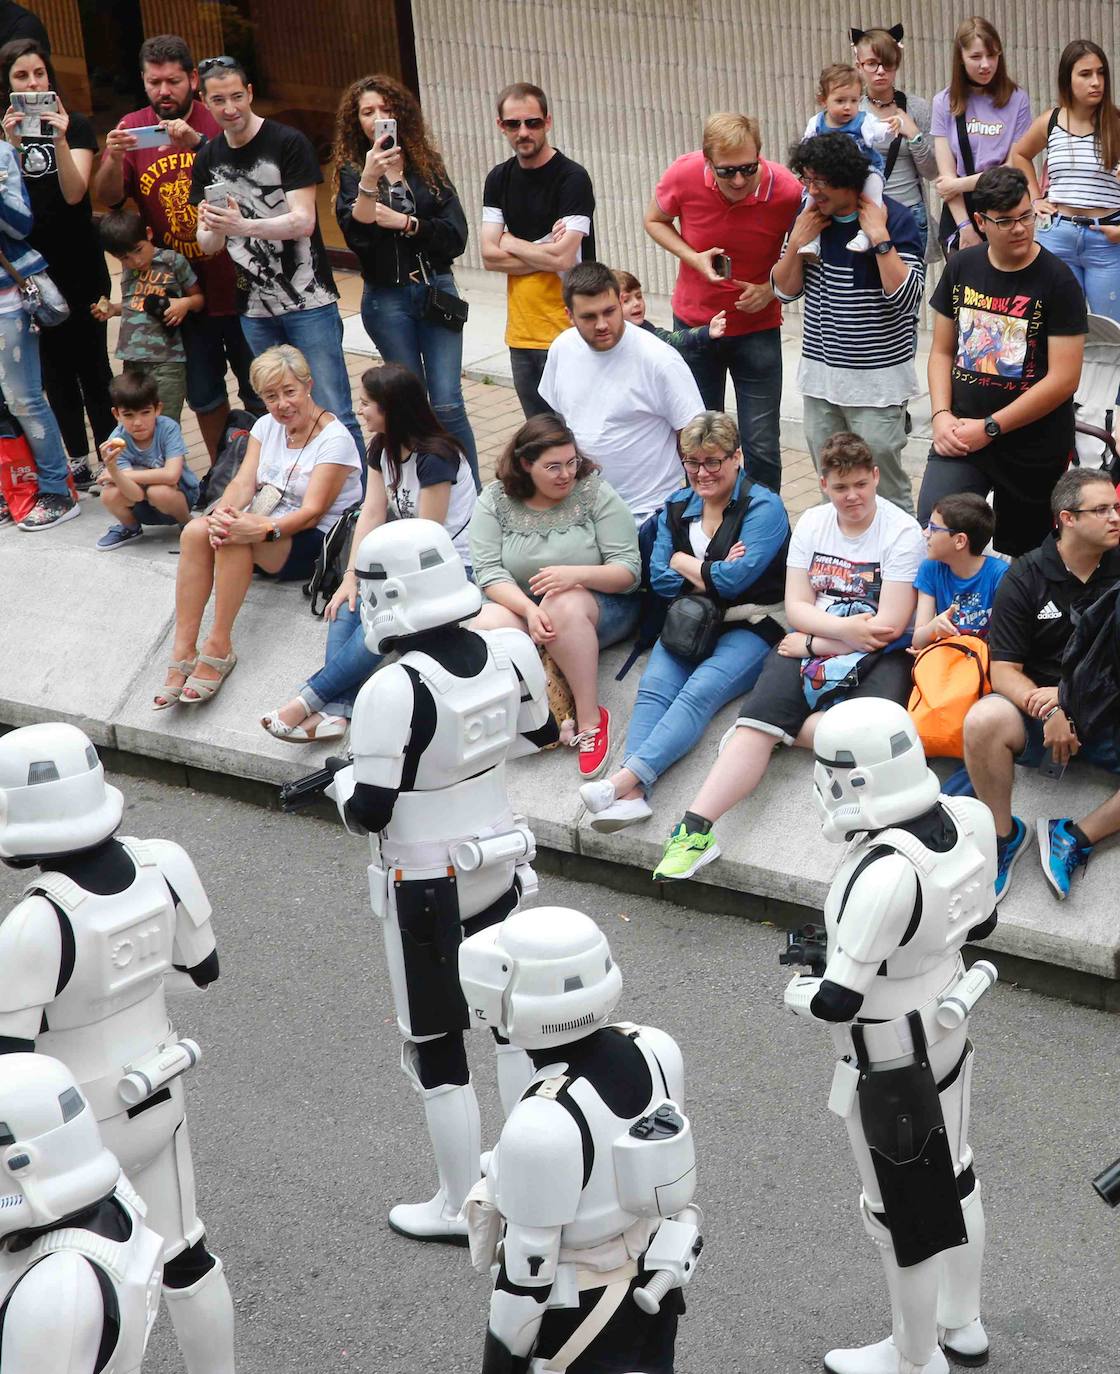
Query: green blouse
pixel 510 541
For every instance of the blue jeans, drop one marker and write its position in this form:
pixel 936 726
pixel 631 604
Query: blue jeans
pixel 1093 261
pixel 527 367
pixel 677 700
pixel 334 687
pixel 393 318
pixel 755 364
pixel 21 382
pixel 318 336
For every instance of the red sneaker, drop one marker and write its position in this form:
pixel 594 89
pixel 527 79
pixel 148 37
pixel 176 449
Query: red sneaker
pixel 594 746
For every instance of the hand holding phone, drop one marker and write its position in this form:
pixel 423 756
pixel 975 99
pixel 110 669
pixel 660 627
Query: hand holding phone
pixel 150 136
pixel 217 193
pixel 721 265
pixel 385 135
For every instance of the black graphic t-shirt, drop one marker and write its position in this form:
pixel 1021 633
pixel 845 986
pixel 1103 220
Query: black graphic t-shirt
pixel 274 277
pixel 63 233
pixel 1004 324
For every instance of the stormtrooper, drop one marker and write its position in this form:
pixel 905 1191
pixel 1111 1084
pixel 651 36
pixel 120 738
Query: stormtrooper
pixel 79 1269
pixel 429 739
pixel 595 1168
pixel 83 962
pixel 915 883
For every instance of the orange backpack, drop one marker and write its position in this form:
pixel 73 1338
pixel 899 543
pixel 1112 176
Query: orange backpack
pixel 949 675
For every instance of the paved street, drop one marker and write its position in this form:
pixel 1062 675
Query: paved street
pixel 305 1131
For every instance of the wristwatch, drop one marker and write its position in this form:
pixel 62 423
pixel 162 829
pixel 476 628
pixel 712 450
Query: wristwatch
pixel 991 428
pixel 882 249
pixel 273 533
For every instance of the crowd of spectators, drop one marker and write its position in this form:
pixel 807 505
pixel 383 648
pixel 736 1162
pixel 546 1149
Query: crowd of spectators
pixel 628 495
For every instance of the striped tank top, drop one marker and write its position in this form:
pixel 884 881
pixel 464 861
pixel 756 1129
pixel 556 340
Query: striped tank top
pixel 1077 177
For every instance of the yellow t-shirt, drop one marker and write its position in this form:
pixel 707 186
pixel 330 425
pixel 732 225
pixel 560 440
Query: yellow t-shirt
pixel 535 312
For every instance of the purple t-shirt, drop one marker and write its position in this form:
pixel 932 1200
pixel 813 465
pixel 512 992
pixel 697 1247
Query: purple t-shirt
pixel 992 129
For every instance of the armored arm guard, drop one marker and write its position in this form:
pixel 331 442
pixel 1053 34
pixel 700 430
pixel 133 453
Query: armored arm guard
pixel 195 948
pixel 379 735
pixel 30 969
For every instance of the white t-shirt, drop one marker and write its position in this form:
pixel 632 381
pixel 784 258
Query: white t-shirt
pixel 854 569
pixel 625 407
pixel 421 470
pixel 290 469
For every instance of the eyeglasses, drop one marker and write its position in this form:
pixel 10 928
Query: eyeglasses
pixel 555 469
pixel 1027 219
pixel 511 126
pixel 873 64
pixel 934 528
pixel 209 63
pixel 693 465
pixel 1101 512
pixel 812 183
pixel 744 169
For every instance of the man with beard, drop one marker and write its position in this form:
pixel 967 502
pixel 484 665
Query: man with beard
pixel 159 181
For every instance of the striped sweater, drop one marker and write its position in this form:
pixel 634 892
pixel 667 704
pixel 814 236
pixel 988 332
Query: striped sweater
pixel 858 344
pixel 16 220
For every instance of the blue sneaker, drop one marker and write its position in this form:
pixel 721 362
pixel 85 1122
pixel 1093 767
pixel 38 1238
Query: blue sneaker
pixel 1007 854
pixel 1061 855
pixel 116 535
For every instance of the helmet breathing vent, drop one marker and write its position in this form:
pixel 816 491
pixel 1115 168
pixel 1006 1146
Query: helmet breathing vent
pixel 10 1200
pixel 42 771
pixel 559 1027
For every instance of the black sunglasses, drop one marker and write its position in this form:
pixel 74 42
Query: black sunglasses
pixel 511 126
pixel 746 169
pixel 209 63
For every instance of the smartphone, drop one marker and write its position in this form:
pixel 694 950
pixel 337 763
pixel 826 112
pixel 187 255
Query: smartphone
pixel 381 128
pixel 721 265
pixel 1047 768
pixel 149 135
pixel 31 104
pixel 217 192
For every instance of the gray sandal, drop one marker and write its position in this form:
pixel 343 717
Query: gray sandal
pixel 205 688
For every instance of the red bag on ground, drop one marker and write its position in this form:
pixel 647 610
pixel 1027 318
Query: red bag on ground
pixel 19 478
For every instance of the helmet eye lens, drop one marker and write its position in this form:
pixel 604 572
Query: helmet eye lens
pixel 71 1103
pixel 431 558
pixel 43 771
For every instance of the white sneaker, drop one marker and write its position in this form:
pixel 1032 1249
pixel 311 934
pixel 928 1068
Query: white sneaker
pixel 598 795
pixel 811 250
pixel 880 1358
pixel 622 814
pixel 430 1220
pixel 966 1345
pixel 860 244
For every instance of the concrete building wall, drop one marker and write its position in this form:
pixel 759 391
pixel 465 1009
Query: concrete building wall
pixel 631 81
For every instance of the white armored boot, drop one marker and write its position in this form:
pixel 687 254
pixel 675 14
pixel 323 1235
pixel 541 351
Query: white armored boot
pixel 913 1293
pixel 451 1112
pixel 962 1333
pixel 202 1316
pixel 515 1069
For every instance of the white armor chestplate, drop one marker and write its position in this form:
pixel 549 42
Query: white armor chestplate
pixel 112 1010
pixel 135 1267
pixel 595 1237
pixel 956 890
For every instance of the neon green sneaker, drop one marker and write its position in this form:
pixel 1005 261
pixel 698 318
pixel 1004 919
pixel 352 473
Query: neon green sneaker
pixel 685 853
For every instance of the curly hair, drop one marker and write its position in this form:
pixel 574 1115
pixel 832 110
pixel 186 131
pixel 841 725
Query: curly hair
pixel 835 158
pixel 413 134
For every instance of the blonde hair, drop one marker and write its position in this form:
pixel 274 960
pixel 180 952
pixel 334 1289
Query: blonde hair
pixel 730 131
pixel 839 76
pixel 270 367
pixel 709 429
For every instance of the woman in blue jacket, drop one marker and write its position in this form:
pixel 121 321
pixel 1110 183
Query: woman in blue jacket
pixel 677 698
pixel 20 377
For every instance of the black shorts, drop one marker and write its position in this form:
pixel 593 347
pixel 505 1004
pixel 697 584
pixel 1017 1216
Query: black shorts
pixel 776 703
pixel 632 1342
pixel 301 559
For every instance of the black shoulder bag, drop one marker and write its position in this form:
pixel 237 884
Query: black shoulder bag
pixel 694 621
pixel 441 307
pixel 947 230
pixel 896 147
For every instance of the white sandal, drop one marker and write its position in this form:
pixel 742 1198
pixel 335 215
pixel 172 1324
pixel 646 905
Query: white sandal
pixel 329 727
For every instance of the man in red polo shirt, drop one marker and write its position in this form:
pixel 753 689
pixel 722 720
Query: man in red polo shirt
pixel 727 200
pixel 159 181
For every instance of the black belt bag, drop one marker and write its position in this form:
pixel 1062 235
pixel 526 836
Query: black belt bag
pixel 693 624
pixel 441 307
pixel 904 1127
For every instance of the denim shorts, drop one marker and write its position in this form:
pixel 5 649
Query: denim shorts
pixel 147 514
pixel 1100 751
pixel 618 616
pixel 207 340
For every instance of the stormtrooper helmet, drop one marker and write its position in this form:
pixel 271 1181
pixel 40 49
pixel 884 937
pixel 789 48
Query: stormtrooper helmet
pixel 52 1161
pixel 871 768
pixel 410 578
pixel 542 977
pixel 53 795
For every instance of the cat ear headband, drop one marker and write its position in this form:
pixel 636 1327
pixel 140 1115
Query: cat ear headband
pixel 897 33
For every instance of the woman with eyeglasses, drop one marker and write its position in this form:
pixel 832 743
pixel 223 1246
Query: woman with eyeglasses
pixel 401 216
pixel 1081 139
pixel 910 160
pixel 416 468
pixel 555 549
pixel 723 535
pixel 976 121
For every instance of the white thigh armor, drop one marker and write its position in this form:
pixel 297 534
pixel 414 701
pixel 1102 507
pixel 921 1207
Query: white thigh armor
pixel 30 1289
